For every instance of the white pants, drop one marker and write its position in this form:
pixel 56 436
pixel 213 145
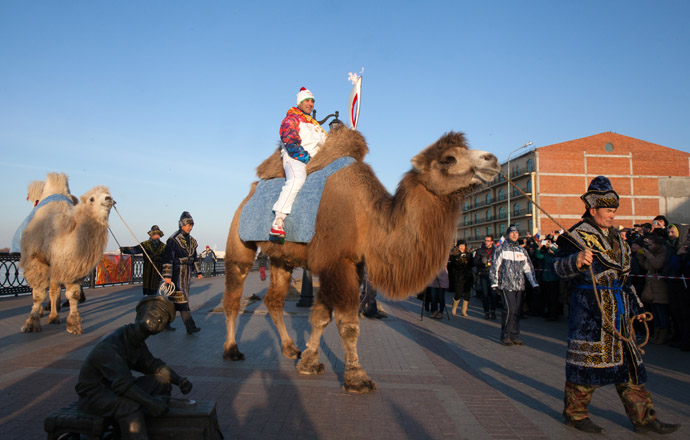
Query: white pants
pixel 295 175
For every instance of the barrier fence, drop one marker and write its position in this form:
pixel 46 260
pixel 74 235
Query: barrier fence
pixel 112 270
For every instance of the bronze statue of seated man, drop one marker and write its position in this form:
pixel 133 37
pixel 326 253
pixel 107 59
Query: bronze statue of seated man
pixel 106 386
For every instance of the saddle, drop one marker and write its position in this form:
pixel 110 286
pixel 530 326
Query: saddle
pixel 342 148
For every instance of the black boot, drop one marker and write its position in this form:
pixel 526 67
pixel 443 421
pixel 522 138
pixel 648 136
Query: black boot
pixel 189 322
pixel 584 425
pixel 656 426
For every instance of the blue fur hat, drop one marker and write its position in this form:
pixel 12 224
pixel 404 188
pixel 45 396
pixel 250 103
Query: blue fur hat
pixel 600 194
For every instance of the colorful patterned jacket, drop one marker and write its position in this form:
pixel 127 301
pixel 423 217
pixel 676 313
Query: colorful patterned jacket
pixel 595 356
pixel 301 135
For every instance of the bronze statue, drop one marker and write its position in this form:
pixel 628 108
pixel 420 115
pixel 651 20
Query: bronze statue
pixel 106 386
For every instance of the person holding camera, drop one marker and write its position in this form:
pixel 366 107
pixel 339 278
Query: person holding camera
pixel 461 264
pixel 482 264
pixel 550 282
pixel 652 258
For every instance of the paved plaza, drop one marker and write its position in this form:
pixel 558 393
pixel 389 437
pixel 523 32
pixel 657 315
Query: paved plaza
pixel 437 379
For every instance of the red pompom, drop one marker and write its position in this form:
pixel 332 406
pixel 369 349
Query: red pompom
pixel 302 89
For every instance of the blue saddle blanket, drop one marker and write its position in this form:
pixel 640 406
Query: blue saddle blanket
pixel 17 239
pixel 257 215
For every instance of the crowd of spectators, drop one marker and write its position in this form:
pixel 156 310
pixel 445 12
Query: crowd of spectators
pixel 660 273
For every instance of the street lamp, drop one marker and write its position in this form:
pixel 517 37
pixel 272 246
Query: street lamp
pixel 509 177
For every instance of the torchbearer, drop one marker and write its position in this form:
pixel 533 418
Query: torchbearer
pixel 602 349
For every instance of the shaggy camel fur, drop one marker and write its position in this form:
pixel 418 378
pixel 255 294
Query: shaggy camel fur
pixel 404 239
pixel 60 246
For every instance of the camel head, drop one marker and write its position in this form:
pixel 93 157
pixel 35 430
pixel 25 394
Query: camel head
pixel 34 191
pixel 448 166
pixel 97 203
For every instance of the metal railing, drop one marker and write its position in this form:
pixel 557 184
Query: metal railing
pixel 12 281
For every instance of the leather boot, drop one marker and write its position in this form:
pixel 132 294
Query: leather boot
pixel 133 426
pixel 455 307
pixel 585 425
pixel 663 336
pixel 657 426
pixel 465 303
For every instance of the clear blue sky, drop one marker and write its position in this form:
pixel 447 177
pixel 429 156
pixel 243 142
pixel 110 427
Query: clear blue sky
pixel 172 104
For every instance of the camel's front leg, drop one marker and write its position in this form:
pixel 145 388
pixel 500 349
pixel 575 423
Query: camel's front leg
pixel 275 301
pixel 73 319
pixel 356 379
pixel 54 296
pixel 319 318
pixel 33 323
pixel 234 284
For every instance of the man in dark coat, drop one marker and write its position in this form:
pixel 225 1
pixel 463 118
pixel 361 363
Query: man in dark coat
pixel 106 386
pixel 596 354
pixel 482 263
pixel 179 260
pixel 154 248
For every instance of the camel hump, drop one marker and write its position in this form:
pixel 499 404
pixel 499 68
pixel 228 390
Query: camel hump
pixel 339 143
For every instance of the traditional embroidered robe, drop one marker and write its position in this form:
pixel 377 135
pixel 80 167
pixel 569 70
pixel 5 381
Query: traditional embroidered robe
pixel 179 259
pixel 155 250
pixel 595 356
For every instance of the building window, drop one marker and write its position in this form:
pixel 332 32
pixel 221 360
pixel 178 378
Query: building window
pixel 502 212
pixel 516 209
pixel 517 226
pixel 530 165
pixel 476 234
pixel 476 218
pixel 467 234
pixel 502 228
pixel 488 215
pixel 515 171
pixel 515 191
pixel 465 221
pixel 488 198
pixel 476 202
pixel 467 205
pixel 501 194
pixel 529 186
pixel 530 226
pixel 529 208
pixel 488 230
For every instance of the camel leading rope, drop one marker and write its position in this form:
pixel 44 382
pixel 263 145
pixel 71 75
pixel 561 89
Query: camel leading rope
pixel 647 316
pixel 164 289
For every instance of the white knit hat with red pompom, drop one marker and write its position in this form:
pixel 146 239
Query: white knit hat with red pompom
pixel 303 94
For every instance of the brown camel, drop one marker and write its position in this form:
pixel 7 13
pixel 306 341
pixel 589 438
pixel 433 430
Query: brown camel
pixel 404 239
pixel 60 246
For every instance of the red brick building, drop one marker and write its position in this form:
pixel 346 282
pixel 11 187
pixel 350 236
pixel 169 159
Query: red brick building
pixel 650 179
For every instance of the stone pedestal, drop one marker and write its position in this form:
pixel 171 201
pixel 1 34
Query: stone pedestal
pixel 182 422
pixel 186 422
